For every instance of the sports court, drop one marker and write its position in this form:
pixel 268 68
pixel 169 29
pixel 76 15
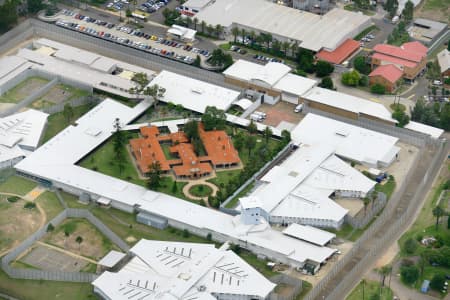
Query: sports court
pixel 49 259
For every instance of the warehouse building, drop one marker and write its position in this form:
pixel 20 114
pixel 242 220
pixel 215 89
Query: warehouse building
pixel 309 30
pixel 173 270
pixel 274 80
pixel 426 31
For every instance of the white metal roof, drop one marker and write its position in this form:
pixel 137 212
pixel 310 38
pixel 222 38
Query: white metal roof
pixel 310 30
pixel 174 270
pixel 55 161
pixel 243 103
pixel 309 234
pixel 111 259
pixel 349 103
pixel 430 130
pixel 294 84
pixel 250 202
pixel 269 74
pixel 183 32
pixel 349 141
pixel 443 58
pixel 194 94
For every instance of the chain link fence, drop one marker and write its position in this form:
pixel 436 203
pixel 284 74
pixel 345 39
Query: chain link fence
pixel 364 217
pixel 293 287
pixel 58 275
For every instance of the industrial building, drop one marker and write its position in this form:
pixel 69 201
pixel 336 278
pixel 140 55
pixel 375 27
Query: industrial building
pixel 309 30
pixel 173 270
pixel 443 59
pixel 55 164
pixel 73 66
pixel 274 80
pixel 426 31
pixel 20 135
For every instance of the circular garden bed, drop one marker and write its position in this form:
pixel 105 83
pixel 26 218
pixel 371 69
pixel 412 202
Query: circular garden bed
pixel 200 190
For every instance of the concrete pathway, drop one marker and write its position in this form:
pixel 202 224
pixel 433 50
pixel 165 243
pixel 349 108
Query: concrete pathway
pixel 34 193
pixel 66 252
pixel 191 184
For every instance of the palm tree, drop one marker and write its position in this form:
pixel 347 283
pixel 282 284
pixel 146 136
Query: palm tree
pixel 366 202
pixel 285 45
pixel 235 33
pixel 252 35
pixel 188 21
pixel 363 282
pixel 438 212
pixel 79 240
pixel 195 20
pixel 243 34
pixel 163 113
pixel 267 134
pixel 210 29
pixel 219 30
pixel 294 49
pixel 203 24
pixel 154 175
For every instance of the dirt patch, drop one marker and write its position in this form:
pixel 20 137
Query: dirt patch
pixel 16 223
pixel 93 245
pixel 130 239
pixel 56 95
pixel 353 205
pixel 48 259
pixel 437 10
pixel 282 111
pixel 284 290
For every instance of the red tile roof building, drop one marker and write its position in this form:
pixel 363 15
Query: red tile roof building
pixel 387 75
pixel 410 58
pixel 148 149
pixel 340 54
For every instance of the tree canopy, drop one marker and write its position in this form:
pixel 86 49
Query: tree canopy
pixel 327 83
pixel 214 118
pixel 361 65
pixel 8 15
pixel 437 114
pixel 408 11
pixel 401 117
pixel 220 58
pixel 351 78
pixel 324 68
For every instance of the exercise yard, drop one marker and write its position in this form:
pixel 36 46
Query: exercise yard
pixel 94 244
pixel 58 94
pixel 23 90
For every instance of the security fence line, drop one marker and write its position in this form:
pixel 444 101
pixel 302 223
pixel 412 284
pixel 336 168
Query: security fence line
pixel 296 284
pixel 351 277
pixel 58 275
pixel 375 208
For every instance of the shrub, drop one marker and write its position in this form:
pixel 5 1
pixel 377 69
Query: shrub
pixel 350 78
pixel 12 199
pixel 186 233
pixel 50 227
pixel 437 282
pixel 363 81
pixel 29 205
pixel 409 274
pixel 235 248
pixel 410 246
pixel 378 89
pixel 209 236
pixel 324 68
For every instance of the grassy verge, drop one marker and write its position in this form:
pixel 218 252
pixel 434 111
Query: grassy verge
pixel 50 203
pixel 15 95
pixel 57 122
pixel 72 201
pixel 351 7
pixel 49 290
pixel 306 287
pixel 342 233
pixel 371 291
pixel 387 188
pixel 233 203
pixel 17 185
pixel 258 264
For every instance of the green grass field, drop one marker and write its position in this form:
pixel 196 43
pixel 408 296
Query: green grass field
pixel 56 122
pixel 234 202
pixel 388 187
pixel 23 90
pixel 50 203
pixel 200 190
pixel 370 288
pixel 17 185
pixel 45 290
pixel 72 201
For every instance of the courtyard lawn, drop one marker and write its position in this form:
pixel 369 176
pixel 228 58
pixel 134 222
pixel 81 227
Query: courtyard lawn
pixel 57 122
pixel 234 202
pixel 200 190
pixel 23 90
pixel 41 289
pixel 59 93
pixel 371 291
pixel 50 204
pixel 388 187
pixel 72 201
pixel 166 149
pixel 17 185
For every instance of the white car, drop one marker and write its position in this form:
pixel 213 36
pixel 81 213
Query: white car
pixel 437 82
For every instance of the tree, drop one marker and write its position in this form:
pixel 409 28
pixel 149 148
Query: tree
pixel 294 49
pixel 409 274
pixel 191 130
pixel 327 83
pixel 219 30
pixel 445 117
pixel 141 80
pixel 170 16
pixel 363 282
pixel 188 21
pixel 305 59
pixel 214 118
pixel 408 11
pixel 156 92
pixel 174 187
pixel 8 14
pixel 195 22
pixel 250 143
pixel 252 128
pixel 363 4
pixel 238 141
pixel 438 212
pixel 350 78
pixel 391 7
pixel 286 136
pixel 203 25
pixel 324 68
pixel 366 202
pixel 363 80
pixel 186 233
pixel 378 89
pixel 448 45
pixel 34 6
pixel 266 38
pixel 50 227
pixel 79 240
pixel 119 141
pixel 410 246
pixel 197 62
pixel 361 65
pixel 267 133
pixel 401 117
pixel 68 112
pixel 384 271
pixel 210 29
pixel 235 33
pixel 220 58
pixel 437 282
pixel 154 174
pixel 286 46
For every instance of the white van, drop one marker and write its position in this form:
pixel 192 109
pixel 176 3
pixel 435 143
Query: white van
pixel 255 117
pixel 259 113
pixel 298 108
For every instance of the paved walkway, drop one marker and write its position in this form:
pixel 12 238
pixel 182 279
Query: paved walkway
pixel 66 252
pixel 191 184
pixel 34 193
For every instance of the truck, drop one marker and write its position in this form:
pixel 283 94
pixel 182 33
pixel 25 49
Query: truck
pixel 381 177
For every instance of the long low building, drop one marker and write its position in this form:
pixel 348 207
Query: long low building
pixel 54 164
pixel 350 142
pixel 310 31
pixel 174 270
pixel 71 65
